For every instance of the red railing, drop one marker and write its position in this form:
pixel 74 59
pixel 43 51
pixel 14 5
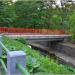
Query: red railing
pixel 33 31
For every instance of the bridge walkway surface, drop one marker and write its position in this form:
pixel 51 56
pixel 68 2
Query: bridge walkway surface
pixel 36 37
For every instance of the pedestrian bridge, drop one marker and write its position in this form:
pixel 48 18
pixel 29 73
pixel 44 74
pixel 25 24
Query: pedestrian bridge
pixel 34 34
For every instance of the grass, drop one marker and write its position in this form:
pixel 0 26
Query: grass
pixel 37 63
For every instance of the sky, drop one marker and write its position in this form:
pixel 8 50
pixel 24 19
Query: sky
pixel 58 2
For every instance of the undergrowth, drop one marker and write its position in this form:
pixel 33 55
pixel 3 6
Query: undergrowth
pixel 37 63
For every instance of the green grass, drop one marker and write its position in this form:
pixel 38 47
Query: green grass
pixel 37 63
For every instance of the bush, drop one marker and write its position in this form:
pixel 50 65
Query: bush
pixel 56 22
pixel 72 26
pixel 37 63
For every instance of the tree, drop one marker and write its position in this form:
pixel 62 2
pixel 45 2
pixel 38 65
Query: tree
pixel 7 14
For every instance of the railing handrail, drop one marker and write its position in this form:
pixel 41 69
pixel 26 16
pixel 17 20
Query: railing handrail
pixel 22 69
pixel 4 66
pixel 6 49
pixel 12 55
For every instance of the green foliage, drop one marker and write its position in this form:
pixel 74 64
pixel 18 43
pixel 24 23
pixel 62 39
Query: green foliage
pixel 22 40
pixel 72 26
pixel 7 15
pixel 72 22
pixel 33 14
pixel 56 21
pixel 30 14
pixel 37 63
pixel 32 64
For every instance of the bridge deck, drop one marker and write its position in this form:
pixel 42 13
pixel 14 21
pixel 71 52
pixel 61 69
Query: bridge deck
pixel 39 37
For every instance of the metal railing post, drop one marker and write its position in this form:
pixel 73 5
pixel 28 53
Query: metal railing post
pixel 14 58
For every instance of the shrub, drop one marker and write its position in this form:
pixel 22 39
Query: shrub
pixel 72 26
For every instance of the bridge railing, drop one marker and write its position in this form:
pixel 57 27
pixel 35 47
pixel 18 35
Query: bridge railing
pixel 16 61
pixel 33 31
